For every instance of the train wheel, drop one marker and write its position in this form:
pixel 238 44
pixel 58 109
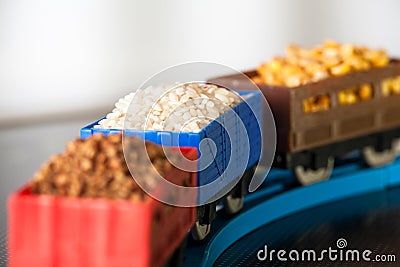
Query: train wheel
pixel 200 231
pixel 205 215
pixel 375 158
pixel 233 202
pixel 233 205
pixel 308 176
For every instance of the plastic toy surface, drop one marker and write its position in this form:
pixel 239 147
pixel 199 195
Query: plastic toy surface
pixel 349 180
pixel 64 231
pixel 225 132
pixel 309 140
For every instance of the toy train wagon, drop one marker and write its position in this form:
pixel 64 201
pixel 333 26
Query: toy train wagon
pixel 226 134
pixel 61 231
pixel 309 139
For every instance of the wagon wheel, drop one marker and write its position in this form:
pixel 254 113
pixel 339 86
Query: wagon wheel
pixel 233 202
pixel 233 205
pixel 375 158
pixel 308 176
pixel 200 231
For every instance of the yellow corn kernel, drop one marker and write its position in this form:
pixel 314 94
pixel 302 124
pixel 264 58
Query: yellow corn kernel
pixel 342 97
pixel 340 69
pixel 324 102
pixel 362 50
pixel 312 67
pixel 386 87
pixel 331 44
pixel 381 62
pixel 314 104
pixel 357 63
pixel 331 53
pixel 347 50
pixel 257 79
pixel 332 62
pixel 293 81
pixel 365 92
pixel 347 96
pixel 351 98
pixel 291 69
pixel 309 54
pixel 314 108
pixel 319 75
pixel 261 67
pixel 301 66
pixel 396 85
pixel 377 58
pixel 271 79
pixel 276 64
pixel 302 63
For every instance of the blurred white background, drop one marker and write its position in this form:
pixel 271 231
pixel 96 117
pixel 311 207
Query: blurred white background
pixel 61 57
pixel 63 64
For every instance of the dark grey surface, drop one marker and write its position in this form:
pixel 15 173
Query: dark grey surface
pixel 367 222
pixel 22 151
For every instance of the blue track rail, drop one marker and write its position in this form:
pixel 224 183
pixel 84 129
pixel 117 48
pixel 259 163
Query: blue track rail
pixel 275 201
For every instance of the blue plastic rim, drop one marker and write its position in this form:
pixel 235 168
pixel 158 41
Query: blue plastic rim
pixel 348 181
pixel 220 131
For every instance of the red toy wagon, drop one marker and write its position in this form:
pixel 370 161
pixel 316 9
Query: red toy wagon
pixel 53 231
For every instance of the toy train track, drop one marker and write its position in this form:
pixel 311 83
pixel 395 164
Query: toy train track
pixel 279 199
